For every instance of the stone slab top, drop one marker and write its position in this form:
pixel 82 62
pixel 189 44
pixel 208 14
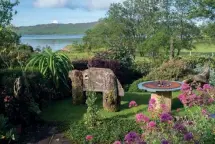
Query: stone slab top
pixel 154 86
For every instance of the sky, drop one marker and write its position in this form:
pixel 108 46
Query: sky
pixel 33 12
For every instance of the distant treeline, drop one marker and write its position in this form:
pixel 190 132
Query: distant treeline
pixel 79 28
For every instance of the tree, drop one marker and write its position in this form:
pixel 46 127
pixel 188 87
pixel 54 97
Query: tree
pixel 7 11
pixel 204 9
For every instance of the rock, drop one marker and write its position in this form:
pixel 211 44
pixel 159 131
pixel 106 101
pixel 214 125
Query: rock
pixel 97 80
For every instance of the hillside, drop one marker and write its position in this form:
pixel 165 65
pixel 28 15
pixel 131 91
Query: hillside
pixel 43 29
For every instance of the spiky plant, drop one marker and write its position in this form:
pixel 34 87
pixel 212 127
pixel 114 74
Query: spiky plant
pixel 52 65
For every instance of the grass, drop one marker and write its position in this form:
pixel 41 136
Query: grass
pixel 204 48
pixel 65 111
pixel 200 48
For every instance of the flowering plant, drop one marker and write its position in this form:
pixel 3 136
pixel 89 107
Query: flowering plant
pixel 200 96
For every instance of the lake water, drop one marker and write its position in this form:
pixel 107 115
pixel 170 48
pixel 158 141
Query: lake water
pixel 56 42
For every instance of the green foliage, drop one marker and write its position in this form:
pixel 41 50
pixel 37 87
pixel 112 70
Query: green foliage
pixel 105 133
pixel 203 9
pixel 133 87
pixel 52 65
pixel 6 132
pixel 8 76
pixel 43 29
pixel 91 117
pixel 6 11
pixel 170 70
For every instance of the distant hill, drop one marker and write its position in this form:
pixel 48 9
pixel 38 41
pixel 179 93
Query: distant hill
pixel 44 29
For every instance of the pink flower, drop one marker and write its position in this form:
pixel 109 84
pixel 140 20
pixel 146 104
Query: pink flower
pixel 185 87
pixel 89 137
pixel 132 104
pixel 182 98
pixel 199 89
pixel 117 142
pixel 151 124
pixel 142 118
pixel 206 87
pixel 152 104
pixel 210 100
pixel 7 99
pixel 204 112
pixel 152 101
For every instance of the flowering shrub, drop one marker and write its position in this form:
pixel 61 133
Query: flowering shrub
pixel 132 104
pixel 200 96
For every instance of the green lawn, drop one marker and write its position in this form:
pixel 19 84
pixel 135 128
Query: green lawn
pixel 65 111
pixel 203 48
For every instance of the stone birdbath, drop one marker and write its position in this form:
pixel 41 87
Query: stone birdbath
pixel 161 91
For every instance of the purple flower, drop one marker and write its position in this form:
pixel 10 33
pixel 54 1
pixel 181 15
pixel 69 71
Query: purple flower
pixel 132 137
pixel 188 136
pixel 164 117
pixel 180 127
pixel 164 142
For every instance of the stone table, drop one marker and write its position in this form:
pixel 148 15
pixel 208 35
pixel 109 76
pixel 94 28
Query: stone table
pixel 161 91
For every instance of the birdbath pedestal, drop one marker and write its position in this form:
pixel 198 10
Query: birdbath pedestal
pixel 161 91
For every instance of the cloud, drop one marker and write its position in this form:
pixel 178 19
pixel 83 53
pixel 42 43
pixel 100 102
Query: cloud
pixel 55 22
pixel 76 4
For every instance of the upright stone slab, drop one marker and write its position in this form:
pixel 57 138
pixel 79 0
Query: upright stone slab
pixel 77 87
pixel 111 100
pixel 97 80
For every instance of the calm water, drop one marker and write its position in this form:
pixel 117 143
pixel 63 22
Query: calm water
pixel 56 42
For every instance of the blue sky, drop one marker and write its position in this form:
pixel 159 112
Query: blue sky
pixel 32 12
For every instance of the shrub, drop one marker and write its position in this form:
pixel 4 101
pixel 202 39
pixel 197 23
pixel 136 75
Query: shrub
pixel 105 133
pixel 126 75
pixel 7 133
pixel 80 64
pixel 134 88
pixel 193 61
pixel 171 70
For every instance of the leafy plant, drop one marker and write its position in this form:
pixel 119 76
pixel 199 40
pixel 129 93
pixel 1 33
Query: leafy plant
pixel 91 116
pixel 6 133
pixel 52 65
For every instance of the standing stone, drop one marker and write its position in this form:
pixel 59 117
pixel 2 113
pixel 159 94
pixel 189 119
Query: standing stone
pixel 111 100
pixel 77 87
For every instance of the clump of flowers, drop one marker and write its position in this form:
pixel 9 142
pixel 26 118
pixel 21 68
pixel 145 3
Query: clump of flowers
pixel 201 96
pixel 133 138
pixel 132 104
pixel 151 125
pixel 142 118
pixel 152 104
pixel 165 117
pixel 188 136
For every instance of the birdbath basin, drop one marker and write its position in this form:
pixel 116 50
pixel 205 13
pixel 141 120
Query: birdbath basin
pixel 161 91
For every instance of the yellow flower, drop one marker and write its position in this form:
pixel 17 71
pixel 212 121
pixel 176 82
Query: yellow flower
pixel 2 137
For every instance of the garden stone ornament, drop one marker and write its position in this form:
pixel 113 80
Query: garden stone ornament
pixel 97 80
